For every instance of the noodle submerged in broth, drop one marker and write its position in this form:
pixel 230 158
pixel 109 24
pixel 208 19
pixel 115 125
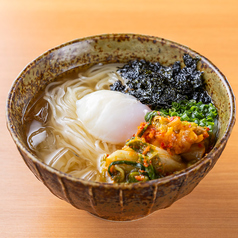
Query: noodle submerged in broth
pixel 57 136
pixel 59 130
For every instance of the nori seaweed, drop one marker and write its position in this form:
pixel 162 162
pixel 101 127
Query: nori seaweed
pixel 158 86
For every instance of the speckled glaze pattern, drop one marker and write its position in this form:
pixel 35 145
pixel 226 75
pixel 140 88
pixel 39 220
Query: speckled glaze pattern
pixel 121 202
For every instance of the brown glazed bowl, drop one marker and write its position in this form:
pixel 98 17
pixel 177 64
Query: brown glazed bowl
pixel 121 202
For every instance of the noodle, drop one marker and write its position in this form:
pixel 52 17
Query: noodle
pixel 74 150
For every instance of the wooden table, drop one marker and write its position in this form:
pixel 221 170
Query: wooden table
pixel 28 28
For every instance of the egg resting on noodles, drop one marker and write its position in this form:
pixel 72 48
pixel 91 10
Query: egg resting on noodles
pixel 111 116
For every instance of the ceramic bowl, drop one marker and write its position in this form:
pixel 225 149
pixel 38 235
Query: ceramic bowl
pixel 121 202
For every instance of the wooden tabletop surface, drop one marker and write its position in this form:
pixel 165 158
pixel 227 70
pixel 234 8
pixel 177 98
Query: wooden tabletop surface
pixel 29 28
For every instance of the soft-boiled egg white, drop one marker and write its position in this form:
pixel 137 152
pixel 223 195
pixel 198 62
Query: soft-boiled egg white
pixel 111 116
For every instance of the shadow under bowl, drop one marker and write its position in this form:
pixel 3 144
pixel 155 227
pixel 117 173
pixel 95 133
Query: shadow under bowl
pixel 121 202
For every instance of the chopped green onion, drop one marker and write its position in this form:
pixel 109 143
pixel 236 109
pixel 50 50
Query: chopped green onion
pixel 184 117
pixel 202 114
pixel 174 114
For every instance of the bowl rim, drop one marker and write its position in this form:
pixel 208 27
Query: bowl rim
pixel 218 146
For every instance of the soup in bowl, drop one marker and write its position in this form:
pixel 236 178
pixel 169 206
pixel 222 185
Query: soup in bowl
pixel 120 125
